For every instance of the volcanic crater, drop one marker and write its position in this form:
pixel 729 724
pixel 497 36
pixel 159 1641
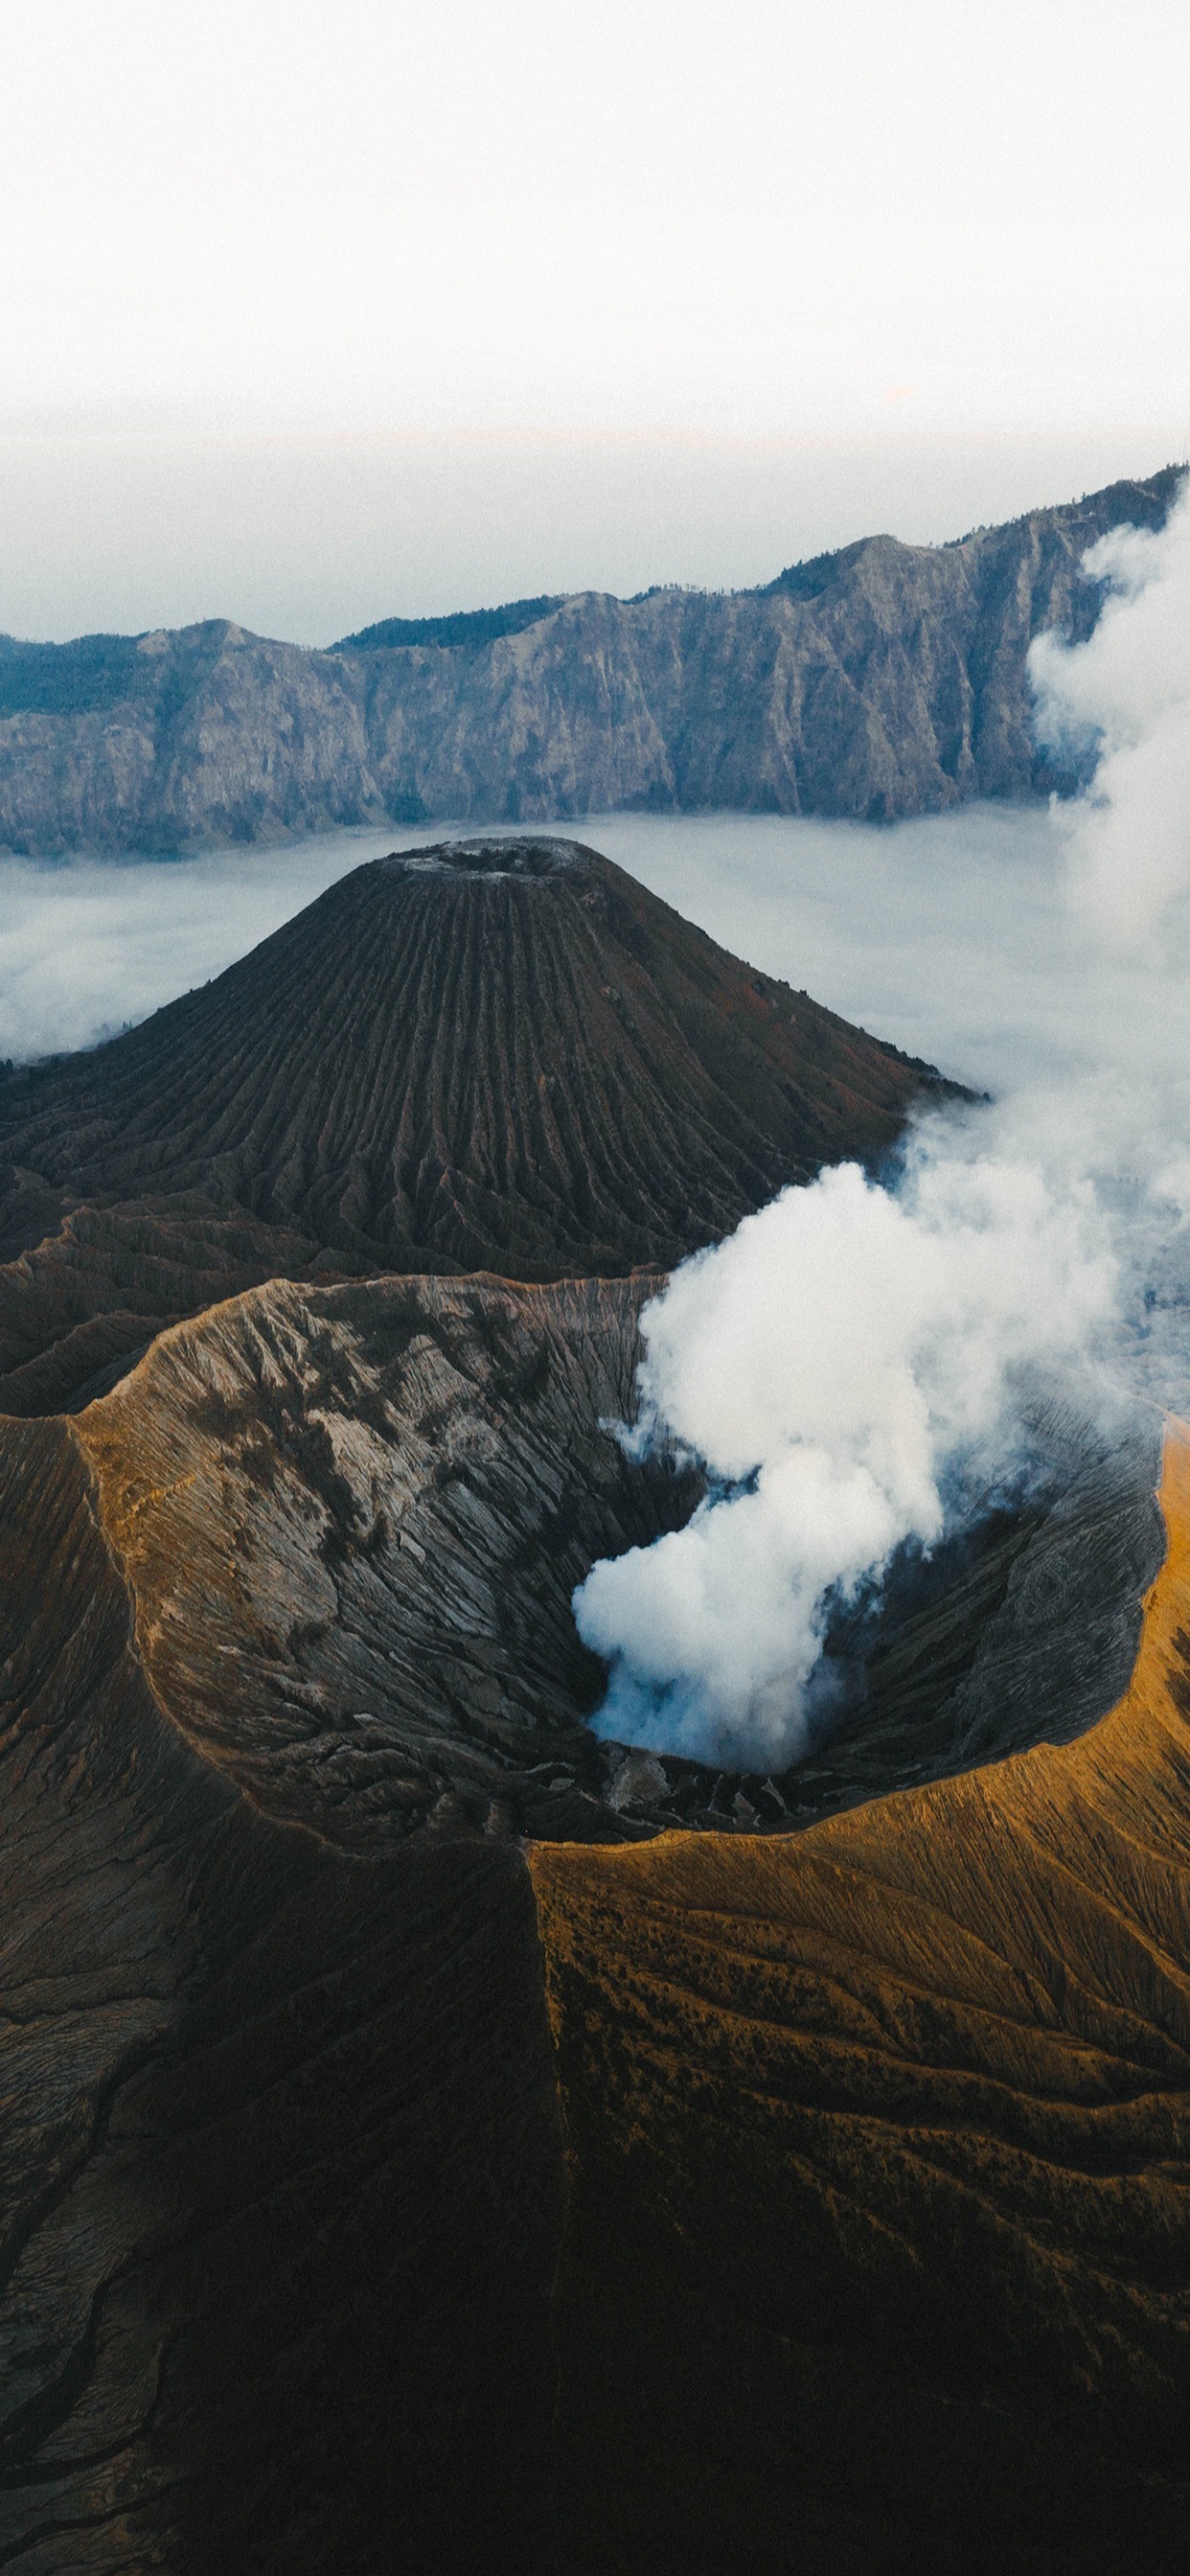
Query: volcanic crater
pixel 352 1519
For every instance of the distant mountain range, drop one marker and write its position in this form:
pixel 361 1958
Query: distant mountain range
pixel 875 682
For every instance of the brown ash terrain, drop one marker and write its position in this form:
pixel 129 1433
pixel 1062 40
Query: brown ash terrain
pixel 281 2151
pixel 436 2139
pixel 882 680
pixel 877 2238
pixel 298 2245
pixel 501 1056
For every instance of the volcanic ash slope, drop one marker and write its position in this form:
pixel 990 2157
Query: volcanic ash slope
pixel 279 2146
pixel 868 2130
pixel 497 1056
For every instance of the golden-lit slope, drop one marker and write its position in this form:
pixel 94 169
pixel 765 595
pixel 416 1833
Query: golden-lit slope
pixel 879 2140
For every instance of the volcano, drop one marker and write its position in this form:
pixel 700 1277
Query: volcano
pixel 495 1055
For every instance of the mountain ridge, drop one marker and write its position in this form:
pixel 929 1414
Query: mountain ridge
pixel 878 681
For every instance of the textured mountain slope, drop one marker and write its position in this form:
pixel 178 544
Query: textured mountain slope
pixel 502 1056
pixel 282 1622
pixel 878 2246
pixel 882 680
pixel 281 2167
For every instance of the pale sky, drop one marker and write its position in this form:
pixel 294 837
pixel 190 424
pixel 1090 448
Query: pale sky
pixel 310 315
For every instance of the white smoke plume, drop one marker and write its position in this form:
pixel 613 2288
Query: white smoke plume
pixel 845 1363
pixel 1125 694
pixel 854 1366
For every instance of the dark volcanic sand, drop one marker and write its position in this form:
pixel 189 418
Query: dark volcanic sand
pixel 491 1056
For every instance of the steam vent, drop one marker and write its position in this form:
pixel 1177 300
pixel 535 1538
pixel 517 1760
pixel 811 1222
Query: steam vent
pixel 438 2139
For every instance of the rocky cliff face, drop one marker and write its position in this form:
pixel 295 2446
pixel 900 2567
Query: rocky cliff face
pixel 880 681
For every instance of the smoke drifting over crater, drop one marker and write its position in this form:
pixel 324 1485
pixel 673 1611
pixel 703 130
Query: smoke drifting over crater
pixel 852 1366
pixel 857 1365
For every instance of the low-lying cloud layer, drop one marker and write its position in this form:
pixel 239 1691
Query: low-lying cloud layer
pixel 87 947
pixel 856 1365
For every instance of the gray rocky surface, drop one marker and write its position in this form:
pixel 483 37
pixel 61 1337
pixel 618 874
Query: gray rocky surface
pixel 880 681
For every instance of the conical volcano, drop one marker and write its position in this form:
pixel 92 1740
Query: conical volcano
pixel 502 1055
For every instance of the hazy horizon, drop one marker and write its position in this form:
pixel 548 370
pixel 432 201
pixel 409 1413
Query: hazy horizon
pixel 310 322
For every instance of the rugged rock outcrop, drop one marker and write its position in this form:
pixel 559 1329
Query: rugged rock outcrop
pixel 878 2235
pixel 879 681
pixel 503 1056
